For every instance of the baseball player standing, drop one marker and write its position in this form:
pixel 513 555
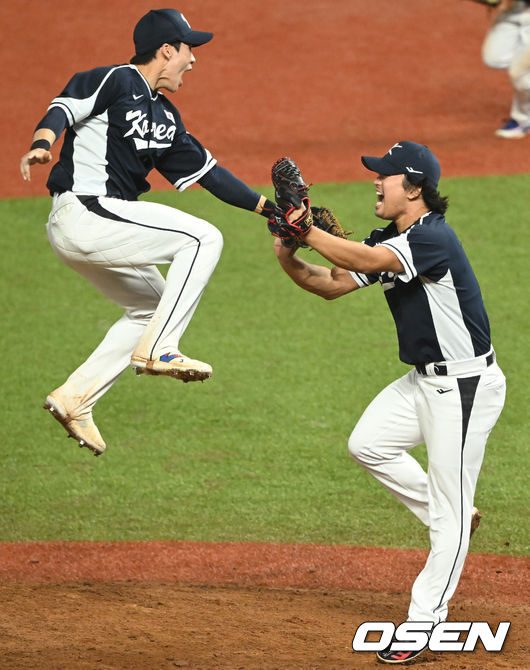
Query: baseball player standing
pixel 454 393
pixel 507 46
pixel 119 127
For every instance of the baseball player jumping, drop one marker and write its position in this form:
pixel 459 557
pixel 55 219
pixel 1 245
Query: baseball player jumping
pixel 119 127
pixel 454 393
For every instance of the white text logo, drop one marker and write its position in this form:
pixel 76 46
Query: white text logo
pixel 158 132
pixel 396 146
pixel 416 635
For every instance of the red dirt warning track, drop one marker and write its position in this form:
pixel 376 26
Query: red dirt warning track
pixel 253 563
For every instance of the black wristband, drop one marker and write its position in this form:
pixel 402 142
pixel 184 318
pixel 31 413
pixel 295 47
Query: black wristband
pixel 269 208
pixel 40 144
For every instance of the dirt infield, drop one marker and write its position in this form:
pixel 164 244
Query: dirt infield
pixel 324 82
pixel 211 606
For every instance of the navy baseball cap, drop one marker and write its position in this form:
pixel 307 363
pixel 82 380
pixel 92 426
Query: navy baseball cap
pixel 165 25
pixel 417 161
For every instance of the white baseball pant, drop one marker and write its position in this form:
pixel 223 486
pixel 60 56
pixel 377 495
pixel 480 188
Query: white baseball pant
pixel 454 416
pixel 116 245
pixel 507 46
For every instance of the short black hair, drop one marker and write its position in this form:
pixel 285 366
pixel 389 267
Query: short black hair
pixel 143 59
pixel 431 196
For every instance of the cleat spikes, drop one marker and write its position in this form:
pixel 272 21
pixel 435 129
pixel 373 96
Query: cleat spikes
pixel 82 428
pixel 173 365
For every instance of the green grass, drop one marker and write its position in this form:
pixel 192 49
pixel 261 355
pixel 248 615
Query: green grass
pixel 259 452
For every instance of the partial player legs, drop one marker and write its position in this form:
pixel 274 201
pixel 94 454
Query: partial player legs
pixel 519 72
pixel 500 43
pixel 118 256
pixel 388 428
pixel 108 233
pixel 456 424
pixel 193 248
pixel 141 287
pixel 158 349
pixel 78 395
pixel 507 47
pixel 407 412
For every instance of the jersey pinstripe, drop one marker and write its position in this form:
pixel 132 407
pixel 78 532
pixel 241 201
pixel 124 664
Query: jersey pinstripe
pixel 436 301
pixel 117 131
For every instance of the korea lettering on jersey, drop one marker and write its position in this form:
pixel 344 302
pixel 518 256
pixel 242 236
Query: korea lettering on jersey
pixel 118 130
pixel 436 301
pixel 146 135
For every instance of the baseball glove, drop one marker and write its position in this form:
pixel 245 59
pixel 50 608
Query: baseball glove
pixel 291 192
pixel 324 219
pixel 289 186
pixel 287 230
pixel 292 233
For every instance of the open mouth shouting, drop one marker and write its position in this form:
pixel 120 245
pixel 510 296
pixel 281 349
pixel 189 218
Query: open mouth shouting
pixel 380 199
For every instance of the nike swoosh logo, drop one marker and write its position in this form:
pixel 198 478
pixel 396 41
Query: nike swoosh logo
pixel 137 97
pixel 440 391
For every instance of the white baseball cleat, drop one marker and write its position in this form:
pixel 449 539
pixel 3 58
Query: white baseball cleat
pixel 173 365
pixel 511 130
pixel 476 516
pixel 81 428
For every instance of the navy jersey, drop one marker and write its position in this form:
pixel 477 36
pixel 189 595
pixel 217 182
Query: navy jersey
pixel 436 301
pixel 117 131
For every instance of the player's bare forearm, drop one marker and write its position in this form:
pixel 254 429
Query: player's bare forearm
pixel 44 134
pixel 39 155
pixel 322 281
pixel 352 255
